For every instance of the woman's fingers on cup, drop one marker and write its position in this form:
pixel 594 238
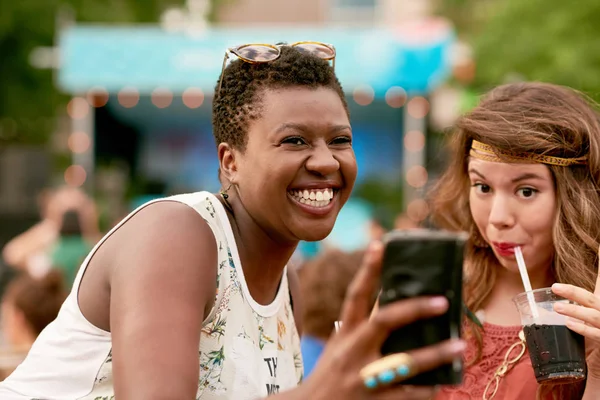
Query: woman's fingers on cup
pixel 583 320
pixel 588 316
pixel 577 294
pixel 357 305
pixel 587 331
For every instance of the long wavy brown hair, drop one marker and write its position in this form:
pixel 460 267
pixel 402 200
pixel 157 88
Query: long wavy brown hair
pixel 535 118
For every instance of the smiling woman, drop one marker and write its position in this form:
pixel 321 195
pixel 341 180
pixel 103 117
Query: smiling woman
pixel 301 143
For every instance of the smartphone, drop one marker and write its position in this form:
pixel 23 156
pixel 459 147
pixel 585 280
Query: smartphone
pixel 425 262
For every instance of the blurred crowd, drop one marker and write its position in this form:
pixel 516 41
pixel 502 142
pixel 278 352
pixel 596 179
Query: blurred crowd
pixel 42 263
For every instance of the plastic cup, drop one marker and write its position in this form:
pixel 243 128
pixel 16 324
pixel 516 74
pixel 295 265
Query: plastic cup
pixel 557 353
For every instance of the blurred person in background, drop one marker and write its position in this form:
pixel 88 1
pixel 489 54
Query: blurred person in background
pixel 70 248
pixel 189 297
pixel 324 281
pixel 31 251
pixel 28 306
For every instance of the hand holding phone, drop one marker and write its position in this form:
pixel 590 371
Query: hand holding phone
pixel 425 263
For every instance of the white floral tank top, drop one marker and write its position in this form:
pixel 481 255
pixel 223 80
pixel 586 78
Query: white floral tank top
pixel 247 350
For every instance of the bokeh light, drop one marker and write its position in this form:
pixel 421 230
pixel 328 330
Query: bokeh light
pixel 395 97
pixel 78 108
pixel 75 175
pixel 97 97
pixel 418 107
pixel 193 97
pixel 162 97
pixel 363 95
pixel 414 141
pixel 79 142
pixel 417 210
pixel 128 97
pixel 417 176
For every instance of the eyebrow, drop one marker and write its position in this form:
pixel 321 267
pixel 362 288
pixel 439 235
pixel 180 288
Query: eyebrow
pixel 305 128
pixel 525 176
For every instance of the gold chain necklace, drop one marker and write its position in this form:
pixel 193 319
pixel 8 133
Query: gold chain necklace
pixel 505 367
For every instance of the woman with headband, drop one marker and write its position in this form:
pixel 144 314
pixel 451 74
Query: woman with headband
pixel 525 173
pixel 189 297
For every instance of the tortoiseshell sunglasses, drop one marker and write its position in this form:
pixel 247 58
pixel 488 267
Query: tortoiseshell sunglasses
pixel 258 53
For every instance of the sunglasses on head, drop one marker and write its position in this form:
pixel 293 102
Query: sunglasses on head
pixel 259 53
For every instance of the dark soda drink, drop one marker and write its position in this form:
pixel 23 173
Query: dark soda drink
pixel 557 353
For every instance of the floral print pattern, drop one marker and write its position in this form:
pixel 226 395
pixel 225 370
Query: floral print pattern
pixel 234 322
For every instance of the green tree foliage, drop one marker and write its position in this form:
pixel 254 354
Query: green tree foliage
pixel 28 98
pixel 546 40
pixel 384 196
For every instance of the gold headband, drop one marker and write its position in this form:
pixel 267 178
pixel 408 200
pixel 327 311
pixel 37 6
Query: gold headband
pixel 488 153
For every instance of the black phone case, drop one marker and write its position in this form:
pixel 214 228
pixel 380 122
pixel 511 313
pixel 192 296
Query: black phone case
pixel 423 263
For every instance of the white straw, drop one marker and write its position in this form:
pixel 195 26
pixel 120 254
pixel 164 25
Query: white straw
pixel 526 282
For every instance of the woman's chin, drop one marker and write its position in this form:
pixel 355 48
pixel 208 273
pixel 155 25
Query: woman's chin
pixel 509 266
pixel 316 234
pixel 313 237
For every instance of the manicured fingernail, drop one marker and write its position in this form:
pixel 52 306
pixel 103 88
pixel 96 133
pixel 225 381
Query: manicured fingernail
pixel 403 370
pixel 559 307
pixel 371 383
pixel 439 303
pixel 558 286
pixel 386 376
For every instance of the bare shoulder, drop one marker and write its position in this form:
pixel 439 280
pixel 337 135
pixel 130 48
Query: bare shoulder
pixel 166 218
pixel 166 244
pixel 162 279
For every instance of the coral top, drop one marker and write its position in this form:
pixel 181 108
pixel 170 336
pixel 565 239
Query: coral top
pixel 518 383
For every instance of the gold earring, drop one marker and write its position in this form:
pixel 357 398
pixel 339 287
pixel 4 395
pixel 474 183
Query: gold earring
pixel 224 192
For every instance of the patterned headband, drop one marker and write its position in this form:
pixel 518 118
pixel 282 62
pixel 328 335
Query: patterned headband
pixel 488 153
